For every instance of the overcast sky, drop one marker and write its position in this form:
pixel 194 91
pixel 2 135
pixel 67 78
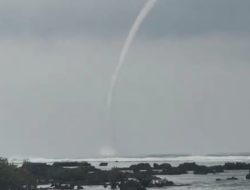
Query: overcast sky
pixel 184 87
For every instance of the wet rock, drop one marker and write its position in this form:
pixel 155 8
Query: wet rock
pixel 248 176
pixel 188 166
pixel 158 182
pixel 113 185
pixel 141 167
pixel 173 171
pixel 164 166
pixel 131 185
pixel 236 166
pixel 71 164
pixel 203 170
pixel 103 164
pixel 232 178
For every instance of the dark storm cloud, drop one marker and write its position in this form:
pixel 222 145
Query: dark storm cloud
pixel 195 17
pixel 66 18
pixel 111 18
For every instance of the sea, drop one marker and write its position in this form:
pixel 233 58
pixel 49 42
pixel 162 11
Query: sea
pixel 185 181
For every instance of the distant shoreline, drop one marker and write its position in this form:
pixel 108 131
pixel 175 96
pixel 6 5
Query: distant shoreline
pixel 152 158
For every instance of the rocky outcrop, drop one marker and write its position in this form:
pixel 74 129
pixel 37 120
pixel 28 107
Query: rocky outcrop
pixel 200 170
pixel 248 176
pixel 173 171
pixel 103 164
pixel 164 166
pixel 228 179
pixel 232 178
pixel 131 185
pixel 158 182
pixel 141 167
pixel 236 166
pixel 188 166
pixel 71 164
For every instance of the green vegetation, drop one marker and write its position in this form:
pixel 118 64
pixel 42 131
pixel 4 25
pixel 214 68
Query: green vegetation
pixel 13 178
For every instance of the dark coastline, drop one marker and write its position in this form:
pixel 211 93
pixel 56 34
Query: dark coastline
pixel 74 175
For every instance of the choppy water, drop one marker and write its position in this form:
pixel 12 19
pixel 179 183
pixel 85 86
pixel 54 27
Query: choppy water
pixel 207 182
pixel 203 182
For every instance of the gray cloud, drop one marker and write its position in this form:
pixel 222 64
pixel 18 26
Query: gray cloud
pixel 113 18
pixel 185 79
pixel 197 17
pixel 67 18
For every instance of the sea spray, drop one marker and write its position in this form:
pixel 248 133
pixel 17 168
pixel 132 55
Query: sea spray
pixel 132 33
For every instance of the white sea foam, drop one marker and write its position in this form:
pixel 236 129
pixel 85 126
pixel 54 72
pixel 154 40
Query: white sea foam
pixel 200 159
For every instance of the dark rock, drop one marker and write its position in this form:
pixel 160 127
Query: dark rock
pixel 79 187
pixel 164 166
pixel 141 167
pixel 188 166
pixel 248 176
pixel 158 182
pixel 236 166
pixel 71 164
pixel 232 178
pixel 228 179
pixel 103 164
pixel 113 185
pixel 131 185
pixel 203 170
pixel 173 171
pixel 144 178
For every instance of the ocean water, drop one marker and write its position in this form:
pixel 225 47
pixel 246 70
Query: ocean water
pixel 202 182
pixel 190 181
pixel 127 161
pixel 207 182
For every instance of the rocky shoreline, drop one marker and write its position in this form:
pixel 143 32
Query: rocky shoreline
pixel 76 175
